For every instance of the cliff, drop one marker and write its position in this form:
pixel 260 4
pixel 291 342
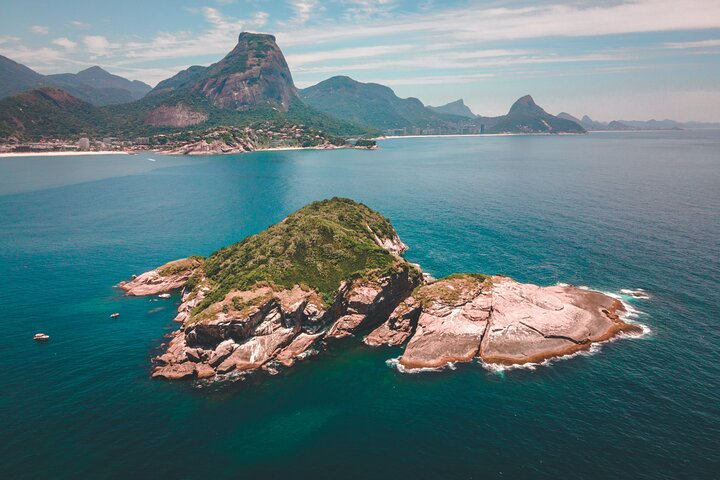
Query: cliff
pixel 334 269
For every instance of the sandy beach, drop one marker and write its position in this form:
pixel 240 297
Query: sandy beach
pixel 59 154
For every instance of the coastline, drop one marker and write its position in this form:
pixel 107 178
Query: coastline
pixel 60 154
pixel 392 137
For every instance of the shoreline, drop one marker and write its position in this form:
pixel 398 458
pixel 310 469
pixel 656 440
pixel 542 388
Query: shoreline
pixel 59 154
pixel 393 137
pixel 166 153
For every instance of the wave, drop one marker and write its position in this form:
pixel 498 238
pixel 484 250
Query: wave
pixel 395 363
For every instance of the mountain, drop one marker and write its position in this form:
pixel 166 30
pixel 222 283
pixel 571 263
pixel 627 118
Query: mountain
pixel 525 116
pixel 457 107
pixel 100 87
pixel 567 116
pixel 49 112
pixel 371 104
pixel 590 124
pixel 16 78
pixel 250 87
pixel 253 74
pixel 93 85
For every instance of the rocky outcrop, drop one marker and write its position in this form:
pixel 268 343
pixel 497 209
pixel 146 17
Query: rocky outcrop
pixel 253 74
pixel 179 115
pixel 500 321
pixel 268 328
pixel 532 324
pixel 169 277
pixel 398 327
pixel 240 314
pixel 454 316
pixel 211 147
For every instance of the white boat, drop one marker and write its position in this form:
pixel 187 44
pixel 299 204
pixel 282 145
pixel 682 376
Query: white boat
pixel 164 295
pixel 115 315
pixel 41 337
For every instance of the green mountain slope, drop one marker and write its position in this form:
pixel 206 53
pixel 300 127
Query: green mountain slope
pixel 371 104
pixel 457 107
pixel 16 78
pixel 49 112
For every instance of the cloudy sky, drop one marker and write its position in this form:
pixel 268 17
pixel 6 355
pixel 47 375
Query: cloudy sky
pixel 610 59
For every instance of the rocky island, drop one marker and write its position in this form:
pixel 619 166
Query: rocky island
pixel 334 269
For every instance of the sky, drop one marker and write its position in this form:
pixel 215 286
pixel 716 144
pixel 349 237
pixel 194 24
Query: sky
pixel 609 59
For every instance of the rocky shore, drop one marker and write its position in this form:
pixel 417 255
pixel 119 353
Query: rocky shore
pixel 334 270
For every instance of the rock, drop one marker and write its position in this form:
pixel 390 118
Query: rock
pixel 297 348
pixel 175 371
pixel 532 324
pixel 171 276
pixel 256 351
pixel 179 115
pixel 204 371
pixel 451 326
pixel 399 327
pixel 223 350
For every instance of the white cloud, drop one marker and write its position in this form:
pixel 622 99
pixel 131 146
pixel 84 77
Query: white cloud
pixel 304 9
pixel 65 42
pixel 697 44
pixel 478 23
pixel 299 59
pixel 80 24
pixel 98 45
pixel 216 40
pixel 40 29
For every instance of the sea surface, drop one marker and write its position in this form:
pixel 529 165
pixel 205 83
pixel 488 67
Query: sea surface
pixel 611 211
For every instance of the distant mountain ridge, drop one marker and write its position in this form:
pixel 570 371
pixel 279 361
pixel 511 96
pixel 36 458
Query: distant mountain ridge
pixel 103 87
pixel 93 85
pixel 250 86
pixel 371 104
pixel 525 116
pixel 457 107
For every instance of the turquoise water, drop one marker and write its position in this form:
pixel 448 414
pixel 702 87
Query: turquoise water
pixel 611 211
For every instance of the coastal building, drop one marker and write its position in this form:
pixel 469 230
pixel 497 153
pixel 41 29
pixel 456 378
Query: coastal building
pixel 84 143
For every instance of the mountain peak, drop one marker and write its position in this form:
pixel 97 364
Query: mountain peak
pixel 249 36
pixel 94 69
pixel 457 107
pixel 526 105
pixel 253 74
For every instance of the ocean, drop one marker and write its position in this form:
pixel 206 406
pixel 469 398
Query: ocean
pixel 611 211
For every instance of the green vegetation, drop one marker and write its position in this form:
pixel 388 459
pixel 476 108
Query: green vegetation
pixel 180 266
pixel 319 246
pixel 372 105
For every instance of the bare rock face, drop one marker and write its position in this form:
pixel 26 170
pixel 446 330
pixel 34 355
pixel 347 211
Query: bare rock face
pixel 179 115
pixel 169 277
pixel 455 312
pixel 366 304
pixel 501 321
pixel 253 74
pixel 399 326
pixel 531 323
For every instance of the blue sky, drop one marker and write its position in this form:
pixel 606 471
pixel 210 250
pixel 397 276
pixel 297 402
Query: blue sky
pixel 610 59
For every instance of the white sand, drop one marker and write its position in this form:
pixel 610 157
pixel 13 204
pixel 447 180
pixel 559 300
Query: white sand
pixel 59 154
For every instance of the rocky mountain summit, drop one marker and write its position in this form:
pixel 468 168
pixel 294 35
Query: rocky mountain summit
pixel 334 269
pixel 254 73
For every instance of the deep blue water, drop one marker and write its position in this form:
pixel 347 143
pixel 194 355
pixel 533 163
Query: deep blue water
pixel 611 211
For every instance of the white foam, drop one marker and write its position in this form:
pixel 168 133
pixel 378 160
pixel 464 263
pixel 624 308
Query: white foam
pixel 395 363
